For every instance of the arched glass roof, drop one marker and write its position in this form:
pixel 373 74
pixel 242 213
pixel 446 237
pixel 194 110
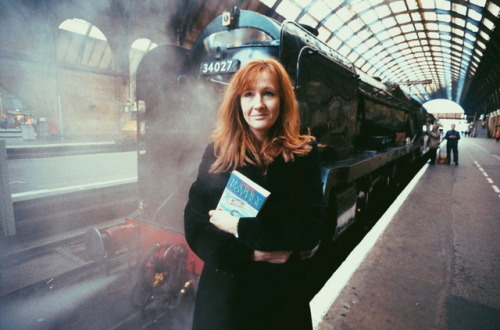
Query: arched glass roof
pixel 432 48
pixel 81 43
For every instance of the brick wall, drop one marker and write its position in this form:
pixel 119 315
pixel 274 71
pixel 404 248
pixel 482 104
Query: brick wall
pixel 91 103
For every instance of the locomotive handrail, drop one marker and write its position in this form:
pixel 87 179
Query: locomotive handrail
pixel 316 43
pixel 308 50
pixel 301 53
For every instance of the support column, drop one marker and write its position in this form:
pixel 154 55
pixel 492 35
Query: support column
pixel 7 223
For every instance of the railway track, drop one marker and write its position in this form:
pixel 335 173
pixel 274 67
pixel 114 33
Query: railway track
pixel 62 213
pixel 47 280
pixel 56 285
pixel 53 285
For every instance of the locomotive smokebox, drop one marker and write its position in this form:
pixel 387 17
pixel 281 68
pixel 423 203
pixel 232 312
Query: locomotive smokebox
pixel 105 243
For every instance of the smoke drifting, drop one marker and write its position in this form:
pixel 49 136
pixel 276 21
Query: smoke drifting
pixel 45 312
pixel 39 67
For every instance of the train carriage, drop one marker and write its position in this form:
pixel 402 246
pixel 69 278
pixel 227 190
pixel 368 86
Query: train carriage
pixel 493 123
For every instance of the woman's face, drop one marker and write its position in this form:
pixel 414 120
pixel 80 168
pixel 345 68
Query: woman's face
pixel 261 105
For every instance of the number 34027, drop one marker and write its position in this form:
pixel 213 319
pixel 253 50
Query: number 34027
pixel 218 67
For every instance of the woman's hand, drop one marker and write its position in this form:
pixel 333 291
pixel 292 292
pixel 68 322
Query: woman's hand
pixel 224 221
pixel 228 223
pixel 274 257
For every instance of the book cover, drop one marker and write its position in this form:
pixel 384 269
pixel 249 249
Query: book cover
pixel 242 197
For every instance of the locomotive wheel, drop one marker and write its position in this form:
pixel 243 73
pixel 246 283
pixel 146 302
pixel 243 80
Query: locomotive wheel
pixel 148 277
pixel 140 297
pixel 143 291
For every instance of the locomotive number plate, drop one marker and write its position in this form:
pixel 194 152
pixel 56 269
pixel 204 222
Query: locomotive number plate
pixel 215 67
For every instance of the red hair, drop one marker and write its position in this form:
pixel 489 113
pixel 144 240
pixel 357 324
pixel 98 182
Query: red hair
pixel 234 143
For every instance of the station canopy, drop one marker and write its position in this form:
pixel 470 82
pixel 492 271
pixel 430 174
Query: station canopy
pixel 431 48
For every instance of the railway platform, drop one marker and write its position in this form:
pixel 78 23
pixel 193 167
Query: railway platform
pixel 20 148
pixel 433 260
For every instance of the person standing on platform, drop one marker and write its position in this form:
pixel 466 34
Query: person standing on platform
pixel 452 137
pixel 497 135
pixel 3 120
pixel 434 141
pixel 52 129
pixel 254 276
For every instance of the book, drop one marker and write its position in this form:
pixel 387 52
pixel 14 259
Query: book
pixel 242 197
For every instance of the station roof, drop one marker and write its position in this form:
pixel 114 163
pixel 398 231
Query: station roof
pixel 432 48
pixel 404 41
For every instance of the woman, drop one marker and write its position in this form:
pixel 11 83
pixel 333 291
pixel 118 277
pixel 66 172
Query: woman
pixel 253 276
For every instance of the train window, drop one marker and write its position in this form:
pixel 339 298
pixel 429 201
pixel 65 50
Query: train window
pixel 236 38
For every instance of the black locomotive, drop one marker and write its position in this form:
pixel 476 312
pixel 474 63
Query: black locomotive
pixel 370 134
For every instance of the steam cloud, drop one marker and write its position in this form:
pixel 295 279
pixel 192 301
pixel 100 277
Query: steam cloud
pixel 29 67
pixel 42 312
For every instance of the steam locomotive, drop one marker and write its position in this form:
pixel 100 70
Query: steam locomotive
pixel 369 134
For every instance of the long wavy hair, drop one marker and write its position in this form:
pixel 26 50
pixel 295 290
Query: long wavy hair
pixel 234 143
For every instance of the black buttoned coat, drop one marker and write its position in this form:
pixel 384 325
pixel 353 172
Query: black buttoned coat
pixel 235 292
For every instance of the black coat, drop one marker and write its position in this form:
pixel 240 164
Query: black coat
pixel 235 292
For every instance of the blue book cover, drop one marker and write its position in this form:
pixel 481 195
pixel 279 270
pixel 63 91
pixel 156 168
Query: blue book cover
pixel 242 197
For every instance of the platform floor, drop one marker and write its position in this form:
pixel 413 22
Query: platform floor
pixel 431 263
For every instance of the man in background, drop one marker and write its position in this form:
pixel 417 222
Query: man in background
pixel 452 138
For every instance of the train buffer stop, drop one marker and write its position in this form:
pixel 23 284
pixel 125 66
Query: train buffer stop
pixel 431 263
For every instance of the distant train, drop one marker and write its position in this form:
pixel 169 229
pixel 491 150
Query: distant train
pixel 370 134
